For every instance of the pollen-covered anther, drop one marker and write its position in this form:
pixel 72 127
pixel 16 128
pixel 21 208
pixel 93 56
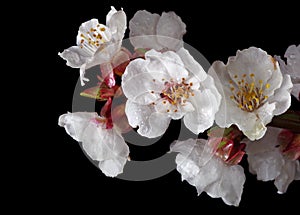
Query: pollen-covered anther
pixel 92 39
pixel 177 93
pixel 248 96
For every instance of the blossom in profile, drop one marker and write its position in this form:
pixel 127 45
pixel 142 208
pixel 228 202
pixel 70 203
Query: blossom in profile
pixel 165 86
pixel 253 91
pixel 275 157
pixel 159 32
pixel 213 176
pixel 100 141
pixel 292 67
pixel 96 43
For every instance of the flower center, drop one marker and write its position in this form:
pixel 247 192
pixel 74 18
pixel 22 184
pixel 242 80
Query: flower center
pixel 248 96
pixel 92 39
pixel 177 93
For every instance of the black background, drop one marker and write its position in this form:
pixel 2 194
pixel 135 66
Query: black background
pixel 65 179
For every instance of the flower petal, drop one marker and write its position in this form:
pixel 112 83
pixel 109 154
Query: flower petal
pixel 205 105
pixel 75 56
pixel 138 84
pixel 116 22
pixel 267 161
pixel 267 165
pixel 104 145
pixel 75 123
pixel 282 97
pixel 252 60
pixel 264 157
pixel 110 14
pixel 192 65
pixel 261 145
pixel 286 176
pixel 143 30
pixel 151 124
pixel 173 111
pixel 171 27
pixel 213 177
pixel 293 61
pixel 172 64
pixel 296 91
pixel 265 113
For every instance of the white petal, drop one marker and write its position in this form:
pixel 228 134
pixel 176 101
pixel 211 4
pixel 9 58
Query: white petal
pixel 171 62
pixel 256 131
pixel 116 22
pixel 232 184
pixel 267 143
pixel 286 176
pixel 173 111
pixel 266 165
pixel 275 81
pixel 282 97
pixel 170 26
pixel 265 113
pixel 185 165
pixel 213 177
pixel 104 54
pixel 293 61
pixel 296 91
pixel 220 75
pixel 297 174
pixel 75 123
pixel 75 56
pixel 192 65
pixel 205 105
pixel 104 145
pixel 82 75
pixel 138 84
pixel 110 14
pixel 151 124
pixel 143 30
pixel 266 160
pixel 252 60
pixel 264 157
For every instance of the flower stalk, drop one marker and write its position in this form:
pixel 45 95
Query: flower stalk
pixel 289 120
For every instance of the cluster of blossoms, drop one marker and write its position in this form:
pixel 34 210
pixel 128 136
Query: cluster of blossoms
pixel 161 81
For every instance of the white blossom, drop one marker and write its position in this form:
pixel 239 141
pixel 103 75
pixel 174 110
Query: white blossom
pixel 292 67
pixel 152 31
pixel 106 146
pixel 268 162
pixel 253 91
pixel 166 86
pixel 96 43
pixel 212 176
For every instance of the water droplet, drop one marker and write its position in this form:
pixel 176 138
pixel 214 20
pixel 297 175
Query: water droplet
pixel 292 56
